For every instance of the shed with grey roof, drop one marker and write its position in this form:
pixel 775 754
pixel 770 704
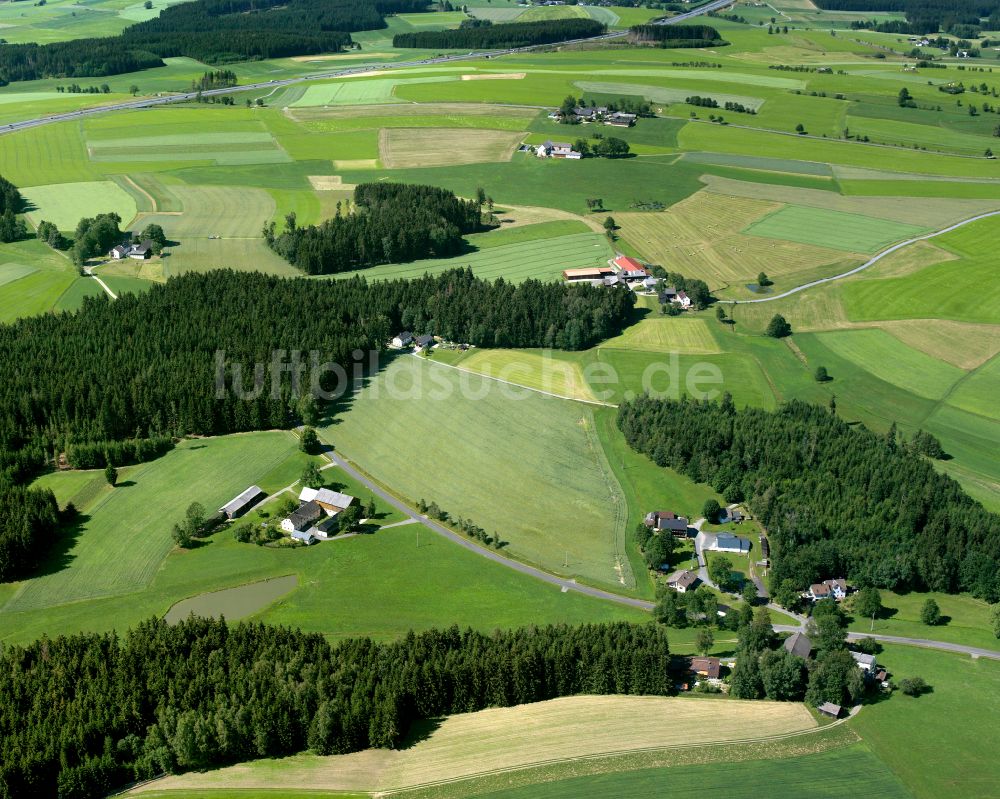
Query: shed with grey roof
pixel 240 504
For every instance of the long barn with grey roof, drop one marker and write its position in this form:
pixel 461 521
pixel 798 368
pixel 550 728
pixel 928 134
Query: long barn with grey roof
pixel 240 504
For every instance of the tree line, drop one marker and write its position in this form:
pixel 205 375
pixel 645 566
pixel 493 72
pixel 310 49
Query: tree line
pixel 923 16
pixel 212 31
pixel 502 37
pixel 11 204
pixel 836 499
pixel 390 222
pixel 676 36
pixel 85 714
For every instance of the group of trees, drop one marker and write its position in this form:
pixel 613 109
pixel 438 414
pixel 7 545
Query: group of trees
pixel 211 31
pixel 836 499
pixel 218 79
pixel 203 693
pixel 390 222
pixel 610 147
pixel 96 236
pixel 11 204
pixel 676 36
pixel 29 524
pixel 502 37
pixel 711 102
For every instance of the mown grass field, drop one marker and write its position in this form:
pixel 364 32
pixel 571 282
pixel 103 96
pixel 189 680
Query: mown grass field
pixel 542 259
pixel 666 334
pixel 125 537
pixel 65 204
pixel 502 739
pixel 530 469
pixel 832 229
pixel 417 147
pixel 965 620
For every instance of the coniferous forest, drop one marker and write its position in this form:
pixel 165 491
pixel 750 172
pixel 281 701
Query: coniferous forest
pixel 837 500
pixel 676 35
pixel 390 222
pixel 88 713
pixel 212 31
pixel 502 37
pixel 71 388
pixel 10 197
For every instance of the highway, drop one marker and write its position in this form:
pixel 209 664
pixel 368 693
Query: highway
pixel 152 102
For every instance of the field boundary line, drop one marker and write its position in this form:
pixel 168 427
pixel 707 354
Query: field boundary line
pixel 870 262
pixel 519 385
pixel 613 753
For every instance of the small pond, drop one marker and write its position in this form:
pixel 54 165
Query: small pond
pixel 234 603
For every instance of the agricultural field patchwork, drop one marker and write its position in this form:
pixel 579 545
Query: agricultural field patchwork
pixel 355 92
pixel 706 236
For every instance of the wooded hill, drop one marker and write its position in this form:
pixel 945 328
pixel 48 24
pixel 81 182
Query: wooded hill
pixel 390 222
pixel 836 499
pixel 923 16
pixel 118 378
pixel 212 31
pixel 83 715
pixel 502 37
pixel 674 36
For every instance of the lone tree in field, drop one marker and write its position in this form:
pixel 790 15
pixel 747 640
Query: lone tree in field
pixel 720 314
pixel 111 475
pixel 914 686
pixel 930 613
pixel 311 478
pixel 764 280
pixel 778 327
pixel 610 225
pixel 309 441
pixel 720 571
pixel 800 129
pixel 868 602
pixel 703 640
pixel 822 376
pixel 711 510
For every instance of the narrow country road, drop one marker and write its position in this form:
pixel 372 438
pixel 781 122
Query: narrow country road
pixel 868 263
pixel 496 557
pixel 597 593
pixel 152 102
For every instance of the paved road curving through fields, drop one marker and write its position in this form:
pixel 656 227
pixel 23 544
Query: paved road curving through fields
pixel 152 102
pixel 597 593
pixel 868 263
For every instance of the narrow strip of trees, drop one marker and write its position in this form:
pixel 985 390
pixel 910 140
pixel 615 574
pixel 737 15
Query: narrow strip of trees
pixel 502 37
pixel 676 36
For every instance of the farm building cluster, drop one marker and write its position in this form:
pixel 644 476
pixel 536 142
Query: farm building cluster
pixel 136 251
pixel 600 113
pixel 319 515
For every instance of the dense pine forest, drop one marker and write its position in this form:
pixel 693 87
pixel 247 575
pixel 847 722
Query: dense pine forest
pixel 29 523
pixel 212 31
pixel 674 36
pixel 117 380
pixel 923 16
pixel 390 222
pixel 204 693
pixel 10 197
pixel 836 499
pixel 501 37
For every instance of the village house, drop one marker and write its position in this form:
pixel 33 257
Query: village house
pixel 242 503
pixel 826 589
pixel 665 520
pixel 551 149
pixel 306 538
pixel 705 667
pixel 630 269
pixel 730 515
pixel 682 300
pixel 137 252
pixel 683 581
pixel 317 512
pixel 724 542
pixel 402 339
pixel 423 342
pixel 865 662
pixel 620 120
pixel 302 519
pixel 798 645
